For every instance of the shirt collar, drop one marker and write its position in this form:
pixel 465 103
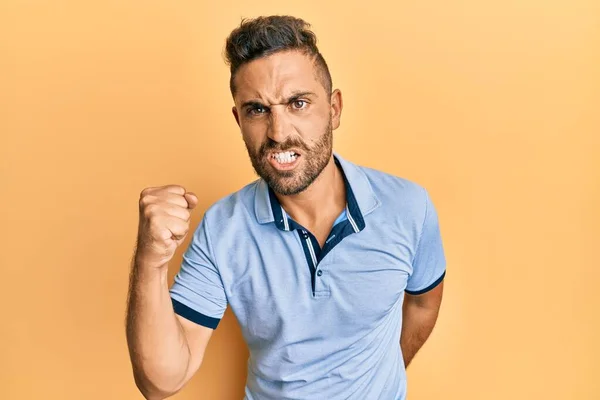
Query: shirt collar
pixel 360 198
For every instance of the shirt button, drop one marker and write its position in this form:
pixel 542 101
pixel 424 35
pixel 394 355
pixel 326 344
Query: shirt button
pixel 319 273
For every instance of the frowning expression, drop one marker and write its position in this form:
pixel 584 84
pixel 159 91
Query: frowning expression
pixel 287 119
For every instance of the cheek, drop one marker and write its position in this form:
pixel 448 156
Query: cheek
pixel 315 119
pixel 253 138
pixel 310 129
pixel 253 128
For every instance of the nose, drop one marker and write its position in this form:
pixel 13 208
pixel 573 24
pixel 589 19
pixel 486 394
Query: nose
pixel 279 125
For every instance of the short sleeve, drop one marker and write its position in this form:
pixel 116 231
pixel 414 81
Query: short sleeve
pixel 429 264
pixel 197 292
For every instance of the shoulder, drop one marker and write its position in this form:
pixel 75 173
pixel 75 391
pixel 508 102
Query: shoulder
pixel 396 191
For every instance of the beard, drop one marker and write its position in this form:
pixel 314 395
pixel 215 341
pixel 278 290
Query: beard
pixel 314 159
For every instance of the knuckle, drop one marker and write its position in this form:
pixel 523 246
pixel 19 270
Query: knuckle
pixel 181 227
pixel 178 189
pixel 144 200
pixel 148 191
pixel 151 210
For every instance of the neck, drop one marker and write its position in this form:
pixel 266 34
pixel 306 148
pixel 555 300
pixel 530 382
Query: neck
pixel 325 197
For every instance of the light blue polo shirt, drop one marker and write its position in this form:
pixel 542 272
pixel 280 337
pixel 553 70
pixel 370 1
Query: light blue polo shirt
pixel 319 323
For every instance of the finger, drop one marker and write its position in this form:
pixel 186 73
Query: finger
pixel 176 189
pixel 176 200
pixel 192 200
pixel 178 228
pixel 181 213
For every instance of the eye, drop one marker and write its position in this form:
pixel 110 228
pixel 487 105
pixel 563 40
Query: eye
pixel 299 104
pixel 256 110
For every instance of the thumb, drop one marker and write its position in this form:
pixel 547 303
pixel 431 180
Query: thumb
pixel 191 199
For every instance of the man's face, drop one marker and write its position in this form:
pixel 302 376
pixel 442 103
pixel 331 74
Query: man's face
pixel 286 118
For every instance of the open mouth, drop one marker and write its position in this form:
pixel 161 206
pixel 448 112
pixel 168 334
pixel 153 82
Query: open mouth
pixel 285 157
pixel 284 160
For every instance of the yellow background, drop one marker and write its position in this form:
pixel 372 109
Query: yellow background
pixel 494 106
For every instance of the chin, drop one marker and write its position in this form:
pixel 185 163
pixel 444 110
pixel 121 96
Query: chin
pixel 284 188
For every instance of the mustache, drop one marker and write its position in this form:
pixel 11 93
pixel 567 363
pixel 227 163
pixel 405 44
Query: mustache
pixel 271 145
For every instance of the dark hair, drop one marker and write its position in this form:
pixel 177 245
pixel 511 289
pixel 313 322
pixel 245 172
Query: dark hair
pixel 263 36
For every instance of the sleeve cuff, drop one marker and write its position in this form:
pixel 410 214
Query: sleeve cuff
pixel 194 316
pixel 428 288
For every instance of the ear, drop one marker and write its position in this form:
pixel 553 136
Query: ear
pixel 336 108
pixel 235 114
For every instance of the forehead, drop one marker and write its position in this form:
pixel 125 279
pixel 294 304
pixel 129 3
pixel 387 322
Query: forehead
pixel 275 76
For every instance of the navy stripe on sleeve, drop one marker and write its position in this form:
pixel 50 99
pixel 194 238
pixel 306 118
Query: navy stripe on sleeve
pixel 194 316
pixel 428 288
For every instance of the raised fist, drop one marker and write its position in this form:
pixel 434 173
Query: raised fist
pixel 164 222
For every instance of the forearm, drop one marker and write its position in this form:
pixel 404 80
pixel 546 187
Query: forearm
pixel 157 345
pixel 417 324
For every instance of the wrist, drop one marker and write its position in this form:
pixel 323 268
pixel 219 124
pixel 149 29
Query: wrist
pixel 147 273
pixel 149 266
pixel 146 261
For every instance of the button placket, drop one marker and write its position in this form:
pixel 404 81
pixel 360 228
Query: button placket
pixel 320 288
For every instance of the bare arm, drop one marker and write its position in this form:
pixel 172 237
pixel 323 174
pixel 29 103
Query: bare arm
pixel 165 349
pixel 420 313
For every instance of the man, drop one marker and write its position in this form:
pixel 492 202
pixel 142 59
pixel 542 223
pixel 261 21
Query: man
pixel 334 271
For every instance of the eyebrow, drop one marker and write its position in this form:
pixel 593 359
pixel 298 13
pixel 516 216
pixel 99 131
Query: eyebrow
pixel 294 96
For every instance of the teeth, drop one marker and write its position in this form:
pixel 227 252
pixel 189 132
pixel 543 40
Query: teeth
pixel 285 157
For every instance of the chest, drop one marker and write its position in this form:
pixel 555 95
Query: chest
pixel 278 288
